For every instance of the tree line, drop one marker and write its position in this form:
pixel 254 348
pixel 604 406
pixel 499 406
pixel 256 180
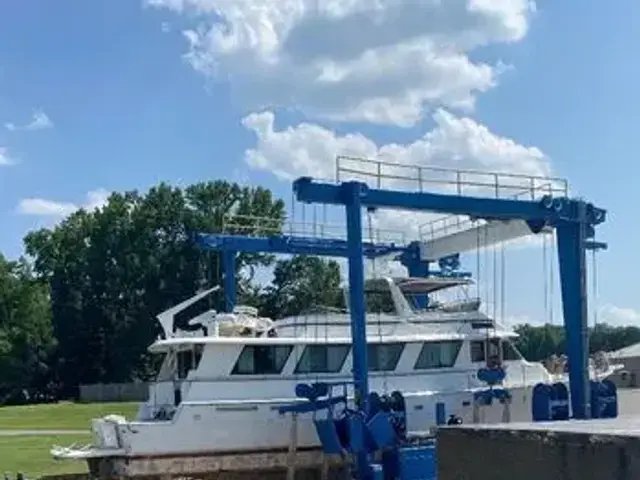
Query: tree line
pixel 80 306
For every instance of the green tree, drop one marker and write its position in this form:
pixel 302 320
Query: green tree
pixel 539 342
pixel 26 339
pixel 609 338
pixel 112 270
pixel 300 284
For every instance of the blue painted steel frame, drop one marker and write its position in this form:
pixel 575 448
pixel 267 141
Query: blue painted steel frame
pixel 292 245
pixel 574 221
pixel 229 279
pixel 358 315
pixel 229 245
pixel 551 210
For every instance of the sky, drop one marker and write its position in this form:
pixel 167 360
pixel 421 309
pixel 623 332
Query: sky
pixel 110 96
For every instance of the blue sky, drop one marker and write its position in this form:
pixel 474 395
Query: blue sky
pixel 125 94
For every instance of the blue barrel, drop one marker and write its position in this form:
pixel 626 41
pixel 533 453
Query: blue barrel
pixel 550 402
pixel 560 402
pixel 541 403
pixel 604 399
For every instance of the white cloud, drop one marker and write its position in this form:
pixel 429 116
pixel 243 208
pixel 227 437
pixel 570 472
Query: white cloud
pixel 455 142
pixel 55 209
pixel 618 316
pixel 5 159
pixel 379 61
pixel 39 121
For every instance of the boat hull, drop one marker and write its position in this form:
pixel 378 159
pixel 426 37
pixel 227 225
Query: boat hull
pixel 232 427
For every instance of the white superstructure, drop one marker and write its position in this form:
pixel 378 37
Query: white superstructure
pixel 224 375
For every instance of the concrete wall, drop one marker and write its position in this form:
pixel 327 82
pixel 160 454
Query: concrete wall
pixel 114 392
pixel 502 454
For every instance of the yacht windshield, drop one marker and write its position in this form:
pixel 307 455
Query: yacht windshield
pixel 378 299
pixel 448 294
pixel 393 296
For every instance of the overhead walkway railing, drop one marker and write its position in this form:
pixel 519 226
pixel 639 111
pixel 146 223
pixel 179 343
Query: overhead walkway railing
pixel 251 225
pixel 451 234
pixel 473 183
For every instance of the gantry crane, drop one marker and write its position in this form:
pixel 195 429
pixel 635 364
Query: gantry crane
pixel 574 221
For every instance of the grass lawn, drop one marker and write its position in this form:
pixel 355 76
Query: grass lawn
pixel 59 416
pixel 30 455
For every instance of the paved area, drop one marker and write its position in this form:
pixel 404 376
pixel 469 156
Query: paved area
pixel 627 423
pixel 624 425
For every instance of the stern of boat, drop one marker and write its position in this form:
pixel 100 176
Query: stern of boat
pixel 105 441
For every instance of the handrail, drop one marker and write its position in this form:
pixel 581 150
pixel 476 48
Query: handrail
pixel 453 223
pixel 459 173
pixel 257 225
pixel 481 183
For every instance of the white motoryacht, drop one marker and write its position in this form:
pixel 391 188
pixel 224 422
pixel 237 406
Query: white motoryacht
pixel 224 376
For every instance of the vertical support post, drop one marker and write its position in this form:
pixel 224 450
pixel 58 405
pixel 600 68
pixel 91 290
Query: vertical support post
pixel 356 293
pixel 418 268
pixel 293 447
pixel 353 207
pixel 229 279
pixel 571 258
pixel 506 411
pixel 477 411
pixel 324 468
pixel 441 413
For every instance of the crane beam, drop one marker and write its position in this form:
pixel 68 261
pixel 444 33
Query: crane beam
pixel 292 245
pixel 548 209
pixel 486 235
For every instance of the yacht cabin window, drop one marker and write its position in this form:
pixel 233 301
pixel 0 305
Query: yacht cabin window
pixel 384 357
pixel 477 351
pixel 322 359
pixel 188 360
pixel 438 354
pixel 509 351
pixel 262 360
pixel 493 349
pixel 503 350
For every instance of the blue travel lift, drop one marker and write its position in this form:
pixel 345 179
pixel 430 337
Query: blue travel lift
pixel 374 432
